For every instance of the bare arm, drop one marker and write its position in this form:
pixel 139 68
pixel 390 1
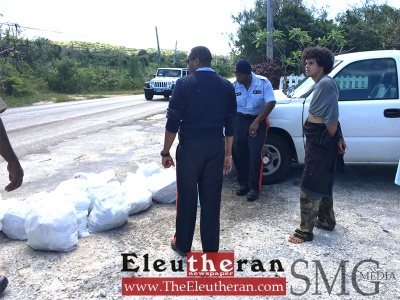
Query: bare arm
pixel 169 138
pixel 228 154
pixel 14 168
pixel 263 114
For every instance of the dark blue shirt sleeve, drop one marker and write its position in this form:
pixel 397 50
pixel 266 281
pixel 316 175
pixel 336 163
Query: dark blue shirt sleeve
pixel 176 108
pixel 229 129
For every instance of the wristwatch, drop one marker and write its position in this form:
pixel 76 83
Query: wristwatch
pixel 164 154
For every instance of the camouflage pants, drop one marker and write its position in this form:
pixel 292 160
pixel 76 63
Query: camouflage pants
pixel 316 211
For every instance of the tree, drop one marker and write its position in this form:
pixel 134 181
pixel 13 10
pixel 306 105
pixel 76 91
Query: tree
pixel 249 23
pixel 334 40
pixel 371 27
pixel 8 51
pixel 288 14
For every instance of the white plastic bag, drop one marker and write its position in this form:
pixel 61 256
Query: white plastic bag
pixel 161 183
pixel 135 192
pixel 149 169
pixel 4 207
pixel 81 202
pixel 52 225
pixel 14 220
pixel 110 209
pixel 96 178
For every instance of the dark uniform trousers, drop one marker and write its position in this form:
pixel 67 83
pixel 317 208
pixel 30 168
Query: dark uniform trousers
pixel 199 171
pixel 247 152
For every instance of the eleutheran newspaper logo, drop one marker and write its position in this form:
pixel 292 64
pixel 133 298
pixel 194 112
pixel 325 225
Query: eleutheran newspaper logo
pixel 207 274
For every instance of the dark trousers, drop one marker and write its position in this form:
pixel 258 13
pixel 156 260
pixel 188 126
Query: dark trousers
pixel 199 174
pixel 247 152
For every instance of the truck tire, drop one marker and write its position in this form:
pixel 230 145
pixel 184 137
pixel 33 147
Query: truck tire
pixel 277 159
pixel 148 96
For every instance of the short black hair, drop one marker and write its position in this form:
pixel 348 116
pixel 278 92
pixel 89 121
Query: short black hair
pixel 322 55
pixel 203 54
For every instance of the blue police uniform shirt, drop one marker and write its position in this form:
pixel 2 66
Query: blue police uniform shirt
pixel 253 100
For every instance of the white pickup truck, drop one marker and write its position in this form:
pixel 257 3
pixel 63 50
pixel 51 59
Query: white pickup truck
pixel 369 113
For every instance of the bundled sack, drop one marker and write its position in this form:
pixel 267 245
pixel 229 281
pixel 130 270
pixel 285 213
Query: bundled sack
pixel 160 182
pixel 13 222
pixel 77 196
pixel 4 207
pixel 136 193
pixel 81 202
pixel 85 183
pixel 110 209
pixel 96 178
pixel 52 225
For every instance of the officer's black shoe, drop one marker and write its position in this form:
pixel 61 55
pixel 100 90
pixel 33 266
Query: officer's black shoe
pixel 176 249
pixel 253 195
pixel 243 190
pixel 3 283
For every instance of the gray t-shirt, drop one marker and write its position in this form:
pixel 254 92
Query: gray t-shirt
pixel 324 102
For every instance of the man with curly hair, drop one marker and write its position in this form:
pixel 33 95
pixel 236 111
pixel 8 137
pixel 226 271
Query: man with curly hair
pixel 324 145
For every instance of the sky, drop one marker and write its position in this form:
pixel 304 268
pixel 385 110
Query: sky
pixel 132 23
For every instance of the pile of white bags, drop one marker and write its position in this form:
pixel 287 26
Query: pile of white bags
pixel 89 202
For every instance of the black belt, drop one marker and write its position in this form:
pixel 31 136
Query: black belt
pixel 247 116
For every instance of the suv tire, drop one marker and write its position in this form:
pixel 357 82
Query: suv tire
pixel 277 159
pixel 148 96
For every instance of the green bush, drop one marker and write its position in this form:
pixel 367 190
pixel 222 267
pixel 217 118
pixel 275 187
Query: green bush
pixel 16 87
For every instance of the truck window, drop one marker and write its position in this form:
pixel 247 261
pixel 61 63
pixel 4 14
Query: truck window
pixel 368 79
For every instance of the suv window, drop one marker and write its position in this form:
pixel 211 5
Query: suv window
pixel 168 73
pixel 368 79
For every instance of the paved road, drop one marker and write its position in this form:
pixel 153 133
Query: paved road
pixel 34 128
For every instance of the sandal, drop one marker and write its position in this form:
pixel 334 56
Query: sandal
pixel 299 237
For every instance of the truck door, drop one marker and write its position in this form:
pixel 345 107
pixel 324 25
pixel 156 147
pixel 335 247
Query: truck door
pixel 369 110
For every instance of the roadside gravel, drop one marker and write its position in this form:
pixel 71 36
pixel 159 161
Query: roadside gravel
pixel 366 204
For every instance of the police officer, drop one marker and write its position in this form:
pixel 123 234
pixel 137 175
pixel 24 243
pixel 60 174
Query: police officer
pixel 201 110
pixel 255 101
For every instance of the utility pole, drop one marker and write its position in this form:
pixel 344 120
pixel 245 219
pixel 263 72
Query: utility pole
pixel 158 47
pixel 270 28
pixel 175 53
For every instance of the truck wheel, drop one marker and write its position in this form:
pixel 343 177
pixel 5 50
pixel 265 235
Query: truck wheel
pixel 148 96
pixel 277 159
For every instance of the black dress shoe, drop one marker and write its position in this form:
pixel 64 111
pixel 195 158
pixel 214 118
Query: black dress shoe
pixel 3 283
pixel 253 195
pixel 176 249
pixel 243 190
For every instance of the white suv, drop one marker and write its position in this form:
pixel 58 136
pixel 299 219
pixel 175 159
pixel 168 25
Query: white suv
pixel 163 82
pixel 369 114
